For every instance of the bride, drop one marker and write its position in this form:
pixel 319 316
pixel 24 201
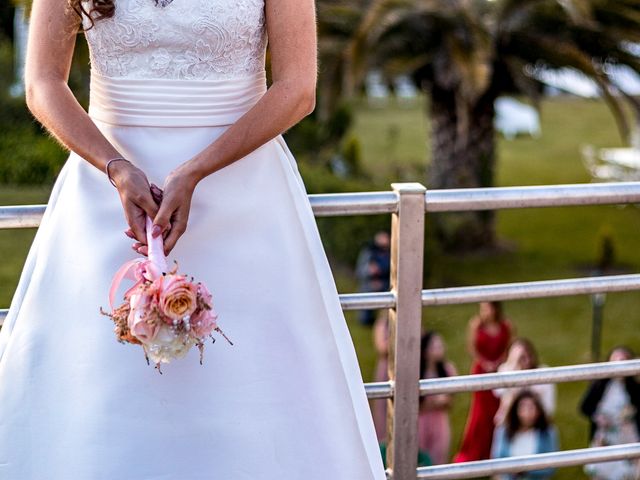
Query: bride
pixel 181 127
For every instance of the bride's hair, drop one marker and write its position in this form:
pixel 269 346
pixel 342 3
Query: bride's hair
pixel 104 8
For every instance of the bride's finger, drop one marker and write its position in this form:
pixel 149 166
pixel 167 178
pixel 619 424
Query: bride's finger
pixel 136 221
pixel 156 198
pixel 140 248
pixel 148 204
pixel 165 213
pixel 156 193
pixel 178 228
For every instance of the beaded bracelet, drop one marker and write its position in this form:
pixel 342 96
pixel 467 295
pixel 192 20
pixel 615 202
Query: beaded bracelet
pixel 106 167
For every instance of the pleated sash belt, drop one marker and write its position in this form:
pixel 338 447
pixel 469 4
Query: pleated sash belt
pixel 163 102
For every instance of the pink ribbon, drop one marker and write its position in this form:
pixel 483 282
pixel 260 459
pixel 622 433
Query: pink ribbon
pixel 140 269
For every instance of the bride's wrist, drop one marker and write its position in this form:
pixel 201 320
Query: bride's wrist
pixel 117 169
pixel 192 171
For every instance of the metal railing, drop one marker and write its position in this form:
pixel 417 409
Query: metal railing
pixel 408 203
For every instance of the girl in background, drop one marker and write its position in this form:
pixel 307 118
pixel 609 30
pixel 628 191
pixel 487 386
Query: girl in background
pixel 612 406
pixel 379 406
pixel 434 430
pixel 526 431
pixel 522 355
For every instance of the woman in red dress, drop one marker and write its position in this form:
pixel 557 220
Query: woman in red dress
pixel 489 335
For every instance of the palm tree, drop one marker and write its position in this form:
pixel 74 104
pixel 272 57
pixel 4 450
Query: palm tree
pixel 465 53
pixel 336 23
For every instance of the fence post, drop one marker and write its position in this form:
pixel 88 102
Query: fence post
pixel 407 253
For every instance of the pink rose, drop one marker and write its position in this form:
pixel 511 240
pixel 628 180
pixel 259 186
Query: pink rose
pixel 142 329
pixel 203 323
pixel 205 299
pixel 177 297
pixel 154 289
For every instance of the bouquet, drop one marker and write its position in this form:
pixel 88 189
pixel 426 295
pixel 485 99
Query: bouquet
pixel 163 311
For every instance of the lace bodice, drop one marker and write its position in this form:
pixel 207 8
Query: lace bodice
pixel 187 39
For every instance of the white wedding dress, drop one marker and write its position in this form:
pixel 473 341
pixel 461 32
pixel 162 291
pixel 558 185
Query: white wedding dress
pixel 286 401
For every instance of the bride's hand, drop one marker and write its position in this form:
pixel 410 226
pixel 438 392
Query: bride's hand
pixel 156 193
pixel 136 197
pixel 173 215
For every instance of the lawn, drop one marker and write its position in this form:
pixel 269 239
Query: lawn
pixel 548 243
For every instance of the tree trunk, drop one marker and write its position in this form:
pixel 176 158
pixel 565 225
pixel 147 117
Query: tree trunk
pixel 463 156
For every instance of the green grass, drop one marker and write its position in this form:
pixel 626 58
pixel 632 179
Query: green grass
pixel 548 243
pixel 14 244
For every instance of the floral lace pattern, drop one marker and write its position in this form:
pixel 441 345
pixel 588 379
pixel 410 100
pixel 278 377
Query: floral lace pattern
pixel 186 39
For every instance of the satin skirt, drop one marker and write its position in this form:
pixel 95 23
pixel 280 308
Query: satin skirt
pixel 285 402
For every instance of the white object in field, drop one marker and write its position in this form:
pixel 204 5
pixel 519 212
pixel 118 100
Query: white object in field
pixel 513 117
pixel 625 77
pixel 568 80
pixel 624 157
pixel 572 81
pixel 404 88
pixel 612 164
pixel 376 89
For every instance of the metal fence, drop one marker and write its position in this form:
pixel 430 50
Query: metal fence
pixel 408 203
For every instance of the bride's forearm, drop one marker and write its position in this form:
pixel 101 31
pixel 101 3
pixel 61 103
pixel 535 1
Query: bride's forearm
pixel 283 105
pixel 53 104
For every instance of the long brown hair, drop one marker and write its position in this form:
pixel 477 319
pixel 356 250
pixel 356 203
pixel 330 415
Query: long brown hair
pixel 103 8
pixel 529 348
pixel 425 342
pixel 512 422
pixel 498 310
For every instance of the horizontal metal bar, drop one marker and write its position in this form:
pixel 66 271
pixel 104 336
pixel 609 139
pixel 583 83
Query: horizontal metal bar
pixel 487 381
pixel 521 290
pixel 21 216
pixel 353 203
pixel 500 291
pixel 469 383
pixel 368 300
pixel 567 373
pixel 565 458
pixel 505 291
pixel 322 204
pixel 367 203
pixel 379 389
pixel 349 301
pixel 490 198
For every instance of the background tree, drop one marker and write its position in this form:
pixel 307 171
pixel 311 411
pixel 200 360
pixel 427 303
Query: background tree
pixel 465 53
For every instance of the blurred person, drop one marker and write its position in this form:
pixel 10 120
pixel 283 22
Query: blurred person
pixel 379 405
pixel 489 335
pixel 612 406
pixel 373 268
pixel 522 355
pixel 434 429
pixel 526 431
pixel 381 345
